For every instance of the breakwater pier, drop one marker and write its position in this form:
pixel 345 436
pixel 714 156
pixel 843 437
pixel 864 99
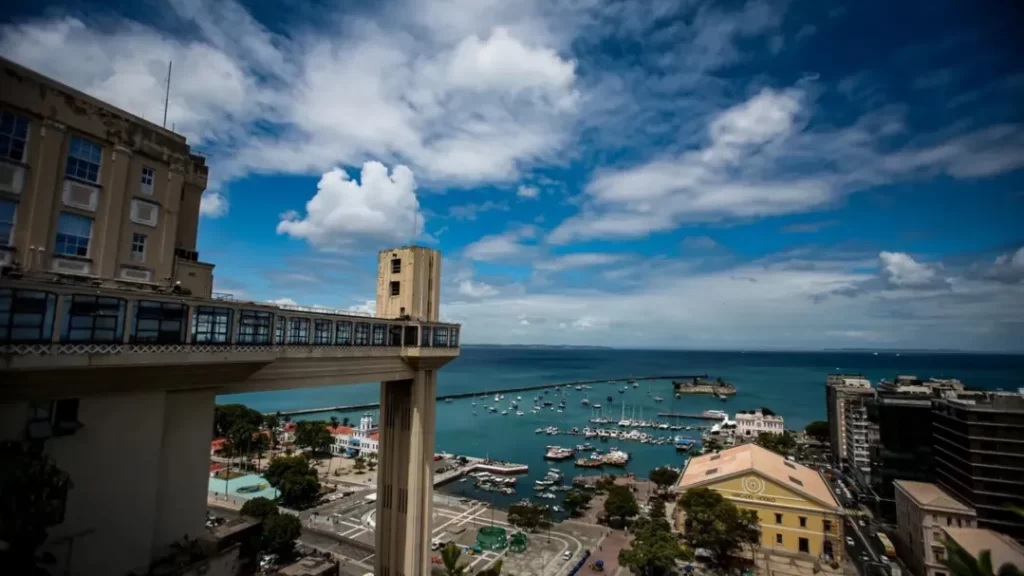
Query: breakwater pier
pixel 442 398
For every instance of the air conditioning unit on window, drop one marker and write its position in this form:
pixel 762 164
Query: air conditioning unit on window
pixel 12 178
pixel 145 213
pixel 81 196
pixel 70 266
pixel 136 274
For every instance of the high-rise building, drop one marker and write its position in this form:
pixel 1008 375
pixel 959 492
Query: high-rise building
pixel 839 387
pixel 978 450
pixel 113 348
pixel 861 435
pixel 904 447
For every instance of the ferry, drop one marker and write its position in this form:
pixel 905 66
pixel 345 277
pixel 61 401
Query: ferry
pixel 718 414
pixel 558 453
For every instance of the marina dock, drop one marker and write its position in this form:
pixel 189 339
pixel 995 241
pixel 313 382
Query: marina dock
pixel 689 416
pixel 369 406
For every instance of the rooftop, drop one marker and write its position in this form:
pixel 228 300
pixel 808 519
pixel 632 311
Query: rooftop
pixel 310 566
pixel 1004 549
pixel 928 495
pixel 753 458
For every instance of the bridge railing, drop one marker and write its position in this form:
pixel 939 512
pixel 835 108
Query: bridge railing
pixel 40 319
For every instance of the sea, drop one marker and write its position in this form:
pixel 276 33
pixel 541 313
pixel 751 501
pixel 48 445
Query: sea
pixel 792 384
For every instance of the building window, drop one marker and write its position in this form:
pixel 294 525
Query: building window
pixel 343 333
pixel 145 213
pixel 211 325
pixel 159 322
pixel 949 520
pixel 826 525
pixel 440 336
pixel 254 327
pixel 146 181
pixel 778 539
pixel 394 335
pixel 411 336
pixel 940 555
pixel 805 546
pixel 138 247
pixel 803 521
pixel 279 330
pixel 298 331
pixel 778 518
pixel 26 315
pixel 73 235
pixel 425 340
pixel 378 334
pixel 453 337
pixel 8 210
pixel 396 265
pixel 395 288
pixel 13 136
pixel 93 319
pixel 362 334
pixel 322 333
pixel 84 160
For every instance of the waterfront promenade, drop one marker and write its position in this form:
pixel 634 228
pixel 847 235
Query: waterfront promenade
pixel 478 393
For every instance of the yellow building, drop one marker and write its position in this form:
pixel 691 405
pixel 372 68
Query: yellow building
pixel 796 509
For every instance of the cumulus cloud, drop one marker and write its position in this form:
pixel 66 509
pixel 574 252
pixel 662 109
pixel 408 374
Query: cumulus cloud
pixel 460 104
pixel 381 206
pixel 213 204
pixel 505 246
pixel 903 271
pixel 284 302
pixel 476 289
pixel 1008 267
pixel 528 192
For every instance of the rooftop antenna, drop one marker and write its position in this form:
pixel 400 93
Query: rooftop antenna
pixel 167 92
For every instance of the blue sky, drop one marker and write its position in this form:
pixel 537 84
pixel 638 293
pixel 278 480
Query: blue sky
pixel 708 175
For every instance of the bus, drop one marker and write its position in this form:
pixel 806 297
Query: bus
pixel 887 545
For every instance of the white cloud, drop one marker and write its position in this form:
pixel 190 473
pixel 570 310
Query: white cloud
pixel 213 204
pixel 379 207
pixel 577 260
pixel 505 246
pixel 476 289
pixel 367 307
pixel 528 192
pixel 471 211
pixel 460 104
pixel 902 270
pixel 1013 260
pixel 284 302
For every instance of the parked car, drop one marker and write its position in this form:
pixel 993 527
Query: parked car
pixel 566 555
pixel 849 541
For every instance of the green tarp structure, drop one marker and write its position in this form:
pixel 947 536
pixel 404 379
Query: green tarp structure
pixel 492 538
pixel 518 542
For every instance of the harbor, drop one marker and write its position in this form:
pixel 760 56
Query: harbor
pixel 483 393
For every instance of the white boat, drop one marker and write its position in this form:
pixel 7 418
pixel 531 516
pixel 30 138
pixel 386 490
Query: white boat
pixel 658 398
pixel 497 397
pixel 492 409
pixel 584 402
pixel 519 413
pixel 596 406
pixel 504 412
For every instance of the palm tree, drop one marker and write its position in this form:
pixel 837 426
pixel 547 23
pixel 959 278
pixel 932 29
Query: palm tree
pixel 334 422
pixel 494 570
pixel 450 555
pixel 961 563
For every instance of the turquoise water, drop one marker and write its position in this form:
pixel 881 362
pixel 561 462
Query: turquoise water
pixel 791 384
pixel 232 486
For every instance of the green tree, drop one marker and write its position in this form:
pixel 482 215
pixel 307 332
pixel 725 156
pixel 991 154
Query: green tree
pixel 226 416
pixel 716 524
pixel 576 501
pixel 359 466
pixel 280 532
pixel 620 505
pixel 529 517
pixel 779 443
pixel 334 422
pixel 261 508
pixel 32 496
pixel 493 570
pixel 653 551
pixel 450 556
pixel 818 430
pixel 313 434
pixel 663 477
pixel 271 421
pixel 296 481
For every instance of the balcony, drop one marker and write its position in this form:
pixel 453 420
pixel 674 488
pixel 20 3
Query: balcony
pixel 76 338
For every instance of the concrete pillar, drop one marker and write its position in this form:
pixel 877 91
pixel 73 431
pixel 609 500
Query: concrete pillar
pixel 184 467
pixel 405 491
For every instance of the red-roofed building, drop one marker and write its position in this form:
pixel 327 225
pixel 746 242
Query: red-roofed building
pixel 216 445
pixel 288 432
pixel 356 441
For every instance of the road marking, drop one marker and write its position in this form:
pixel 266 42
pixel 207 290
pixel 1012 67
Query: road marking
pixel 579 545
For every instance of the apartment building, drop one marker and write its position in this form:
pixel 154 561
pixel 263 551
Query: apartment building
pixel 978 448
pixel 861 435
pixel 87 190
pixel 923 509
pixel 838 388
